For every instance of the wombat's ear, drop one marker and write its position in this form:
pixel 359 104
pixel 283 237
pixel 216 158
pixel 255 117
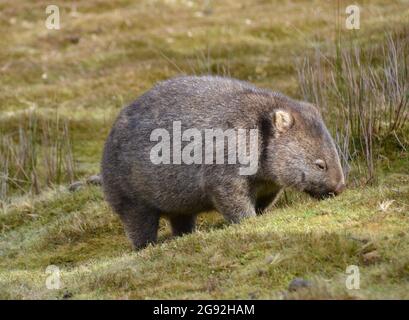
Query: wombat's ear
pixel 283 120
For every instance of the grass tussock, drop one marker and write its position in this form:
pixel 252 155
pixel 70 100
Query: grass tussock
pixel 37 154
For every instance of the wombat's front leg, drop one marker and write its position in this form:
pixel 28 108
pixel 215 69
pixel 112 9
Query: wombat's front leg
pixel 267 202
pixel 233 201
pixel 182 224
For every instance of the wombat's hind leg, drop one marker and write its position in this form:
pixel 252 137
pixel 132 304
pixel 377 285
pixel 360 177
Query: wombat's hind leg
pixel 182 224
pixel 141 223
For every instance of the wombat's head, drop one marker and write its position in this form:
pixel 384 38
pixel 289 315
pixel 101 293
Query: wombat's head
pixel 301 153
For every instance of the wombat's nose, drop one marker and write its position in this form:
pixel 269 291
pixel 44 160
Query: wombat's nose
pixel 340 187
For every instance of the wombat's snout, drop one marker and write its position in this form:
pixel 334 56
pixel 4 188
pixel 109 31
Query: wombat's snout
pixel 335 190
pixel 325 192
pixel 339 188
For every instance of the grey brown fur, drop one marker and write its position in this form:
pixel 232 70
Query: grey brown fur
pixel 142 192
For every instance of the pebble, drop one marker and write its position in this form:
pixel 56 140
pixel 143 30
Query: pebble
pixel 96 180
pixel 371 257
pixel 75 186
pixel 298 283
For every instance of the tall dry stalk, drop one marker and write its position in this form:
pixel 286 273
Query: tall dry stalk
pixel 37 155
pixel 363 94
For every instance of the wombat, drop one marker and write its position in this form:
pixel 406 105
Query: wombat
pixel 293 149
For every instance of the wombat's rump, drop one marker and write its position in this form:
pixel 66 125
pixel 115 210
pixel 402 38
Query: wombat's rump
pixel 294 149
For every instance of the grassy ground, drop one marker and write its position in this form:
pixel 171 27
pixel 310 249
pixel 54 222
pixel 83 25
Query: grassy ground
pixel 108 53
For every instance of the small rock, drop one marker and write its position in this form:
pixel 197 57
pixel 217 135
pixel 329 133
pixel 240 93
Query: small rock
pixel 96 180
pixel 253 295
pixel 298 283
pixel 371 257
pixel 74 39
pixel 75 186
pixel 67 295
pixel 269 259
pixel 208 11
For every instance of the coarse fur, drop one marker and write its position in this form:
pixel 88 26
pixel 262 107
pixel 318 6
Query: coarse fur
pixel 294 145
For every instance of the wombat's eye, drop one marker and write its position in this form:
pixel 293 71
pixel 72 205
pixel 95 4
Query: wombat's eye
pixel 320 164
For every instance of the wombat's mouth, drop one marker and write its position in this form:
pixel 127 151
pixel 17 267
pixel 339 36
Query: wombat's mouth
pixel 320 195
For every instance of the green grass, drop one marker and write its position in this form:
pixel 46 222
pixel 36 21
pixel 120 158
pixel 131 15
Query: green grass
pixel 256 259
pixel 122 50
